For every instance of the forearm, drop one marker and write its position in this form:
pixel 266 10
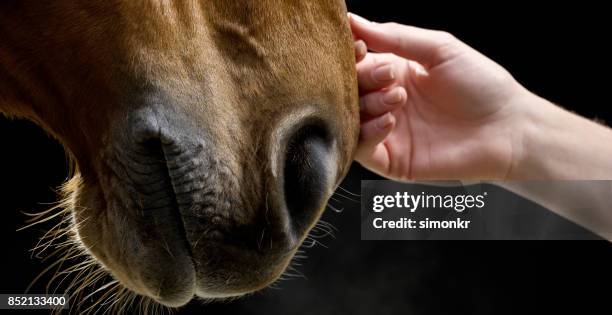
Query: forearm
pixel 586 203
pixel 560 145
pixel 564 164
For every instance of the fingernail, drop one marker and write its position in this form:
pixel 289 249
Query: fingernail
pixel 393 96
pixel 360 48
pixel 419 70
pixel 384 73
pixel 385 121
pixel 359 19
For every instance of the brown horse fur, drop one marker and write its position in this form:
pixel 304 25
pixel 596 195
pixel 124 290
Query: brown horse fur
pixel 243 73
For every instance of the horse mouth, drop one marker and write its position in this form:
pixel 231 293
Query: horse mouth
pixel 180 245
pixel 151 254
pixel 186 215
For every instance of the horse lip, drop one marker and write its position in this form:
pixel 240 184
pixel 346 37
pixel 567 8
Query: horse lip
pixel 182 190
pixel 181 237
pixel 148 188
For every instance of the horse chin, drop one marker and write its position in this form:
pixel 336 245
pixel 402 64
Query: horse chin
pixel 158 261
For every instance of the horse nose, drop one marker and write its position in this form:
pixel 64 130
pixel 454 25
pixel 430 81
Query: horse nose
pixel 308 169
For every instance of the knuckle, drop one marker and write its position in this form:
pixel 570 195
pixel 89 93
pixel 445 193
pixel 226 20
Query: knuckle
pixel 446 38
pixel 447 45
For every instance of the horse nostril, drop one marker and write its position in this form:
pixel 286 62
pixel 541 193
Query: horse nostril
pixel 306 176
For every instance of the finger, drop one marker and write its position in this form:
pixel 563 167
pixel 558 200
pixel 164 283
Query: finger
pixel 410 42
pixel 376 160
pixel 373 74
pixel 361 50
pixel 377 103
pixel 375 131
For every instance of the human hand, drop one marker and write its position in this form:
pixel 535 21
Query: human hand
pixel 434 108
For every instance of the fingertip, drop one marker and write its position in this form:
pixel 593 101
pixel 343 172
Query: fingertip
pixel 395 96
pixel 358 24
pixel 361 50
pixel 418 69
pixel 374 132
pixel 377 104
pixel 384 73
pixel 358 19
pixel 385 122
pixel 374 74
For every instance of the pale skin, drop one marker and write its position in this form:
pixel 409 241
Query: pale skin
pixel 434 108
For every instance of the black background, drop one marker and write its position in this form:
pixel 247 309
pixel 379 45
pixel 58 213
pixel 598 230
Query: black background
pixel 559 51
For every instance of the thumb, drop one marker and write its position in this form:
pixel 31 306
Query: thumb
pixel 418 44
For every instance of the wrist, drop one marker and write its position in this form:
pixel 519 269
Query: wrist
pixel 557 144
pixel 533 130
